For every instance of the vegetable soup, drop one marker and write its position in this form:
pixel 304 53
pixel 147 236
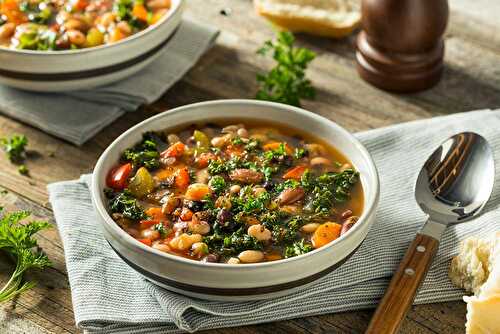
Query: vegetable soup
pixel 74 24
pixel 234 194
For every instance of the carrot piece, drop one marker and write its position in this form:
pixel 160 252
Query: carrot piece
pixel 144 224
pixel 155 213
pixel 163 174
pixel 204 159
pixel 81 4
pixel 140 12
pixel 182 178
pixel 116 35
pixel 175 150
pixel 295 173
pixel 325 233
pixel 186 214
pixel 276 145
pixel 197 191
pixel 234 150
pixel 146 241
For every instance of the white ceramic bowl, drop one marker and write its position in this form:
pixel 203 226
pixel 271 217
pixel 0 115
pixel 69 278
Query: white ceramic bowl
pixel 218 281
pixel 56 71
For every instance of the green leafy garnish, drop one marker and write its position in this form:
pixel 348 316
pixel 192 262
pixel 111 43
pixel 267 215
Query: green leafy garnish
pixel 15 147
pixel 217 184
pixel 297 248
pixel 126 204
pixel 17 240
pixel 286 82
pixel 144 154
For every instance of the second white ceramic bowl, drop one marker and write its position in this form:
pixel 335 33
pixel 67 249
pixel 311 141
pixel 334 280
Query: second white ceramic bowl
pixel 67 70
pixel 218 281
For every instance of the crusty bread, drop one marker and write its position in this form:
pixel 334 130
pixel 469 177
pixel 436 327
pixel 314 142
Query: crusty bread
pixel 477 268
pixel 469 269
pixel 331 18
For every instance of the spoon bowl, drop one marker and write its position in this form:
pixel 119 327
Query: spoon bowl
pixel 456 181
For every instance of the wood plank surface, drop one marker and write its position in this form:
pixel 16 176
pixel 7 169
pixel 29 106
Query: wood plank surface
pixel 471 81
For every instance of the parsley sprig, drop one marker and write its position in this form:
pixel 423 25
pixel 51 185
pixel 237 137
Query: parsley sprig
pixel 17 240
pixel 286 82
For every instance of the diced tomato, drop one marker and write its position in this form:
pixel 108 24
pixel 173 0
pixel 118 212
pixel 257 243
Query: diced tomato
pixel 295 173
pixel 186 214
pixel 155 213
pixel 144 224
pixel 203 159
pixel 80 4
pixel 276 145
pixel 140 12
pixel 146 241
pixel 182 178
pixel 175 150
pixel 118 176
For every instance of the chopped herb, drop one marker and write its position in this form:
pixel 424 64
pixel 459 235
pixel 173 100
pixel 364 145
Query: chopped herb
pixel 17 240
pixel 252 145
pixel 23 170
pixel 286 82
pixel 218 184
pixel 15 147
pixel 144 154
pixel 297 248
pixel 160 227
pixel 126 204
pixel 237 141
pixel 299 153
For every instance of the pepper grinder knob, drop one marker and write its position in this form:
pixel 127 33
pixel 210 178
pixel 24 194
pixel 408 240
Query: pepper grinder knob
pixel 401 46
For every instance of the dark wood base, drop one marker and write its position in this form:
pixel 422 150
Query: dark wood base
pixel 403 73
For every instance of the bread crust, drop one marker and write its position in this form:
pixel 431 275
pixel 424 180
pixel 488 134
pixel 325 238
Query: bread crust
pixel 297 23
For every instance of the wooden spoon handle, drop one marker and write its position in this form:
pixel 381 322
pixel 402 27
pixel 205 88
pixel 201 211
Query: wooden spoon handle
pixel 404 285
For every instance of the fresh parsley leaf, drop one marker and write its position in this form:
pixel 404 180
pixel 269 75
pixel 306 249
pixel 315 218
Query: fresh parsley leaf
pixel 15 147
pixel 286 82
pixel 17 240
pixel 217 184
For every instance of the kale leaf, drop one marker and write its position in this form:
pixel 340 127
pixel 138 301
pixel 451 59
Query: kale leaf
pixel 297 248
pixel 125 203
pixel 144 154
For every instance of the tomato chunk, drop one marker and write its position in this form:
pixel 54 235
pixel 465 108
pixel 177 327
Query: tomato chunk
pixel 118 176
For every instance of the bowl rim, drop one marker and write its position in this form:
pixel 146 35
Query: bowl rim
pixel 103 212
pixel 177 5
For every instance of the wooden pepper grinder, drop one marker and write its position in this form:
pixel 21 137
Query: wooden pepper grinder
pixel 401 46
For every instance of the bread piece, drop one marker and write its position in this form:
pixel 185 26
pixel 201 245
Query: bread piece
pixel 331 18
pixel 479 260
pixel 469 269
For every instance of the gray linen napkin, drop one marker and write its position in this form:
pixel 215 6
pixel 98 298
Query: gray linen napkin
pixel 110 297
pixel 78 116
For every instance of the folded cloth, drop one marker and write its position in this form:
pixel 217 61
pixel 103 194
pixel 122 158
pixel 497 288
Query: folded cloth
pixel 78 116
pixel 110 297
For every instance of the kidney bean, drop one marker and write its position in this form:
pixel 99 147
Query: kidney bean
pixel 247 176
pixel 291 195
pixel 346 226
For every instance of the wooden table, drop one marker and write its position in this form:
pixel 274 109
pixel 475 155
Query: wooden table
pixel 471 81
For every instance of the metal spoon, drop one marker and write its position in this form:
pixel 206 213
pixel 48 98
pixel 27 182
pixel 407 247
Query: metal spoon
pixel 453 186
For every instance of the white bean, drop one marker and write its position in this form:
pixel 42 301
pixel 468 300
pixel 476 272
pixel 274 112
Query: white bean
pixel 318 161
pixel 310 228
pixel 235 189
pixel 242 132
pixel 161 246
pixel 184 241
pixel 150 234
pixel 201 227
pixel 233 260
pixel 259 232
pixel 251 256
pixel 199 249
pixel 218 141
